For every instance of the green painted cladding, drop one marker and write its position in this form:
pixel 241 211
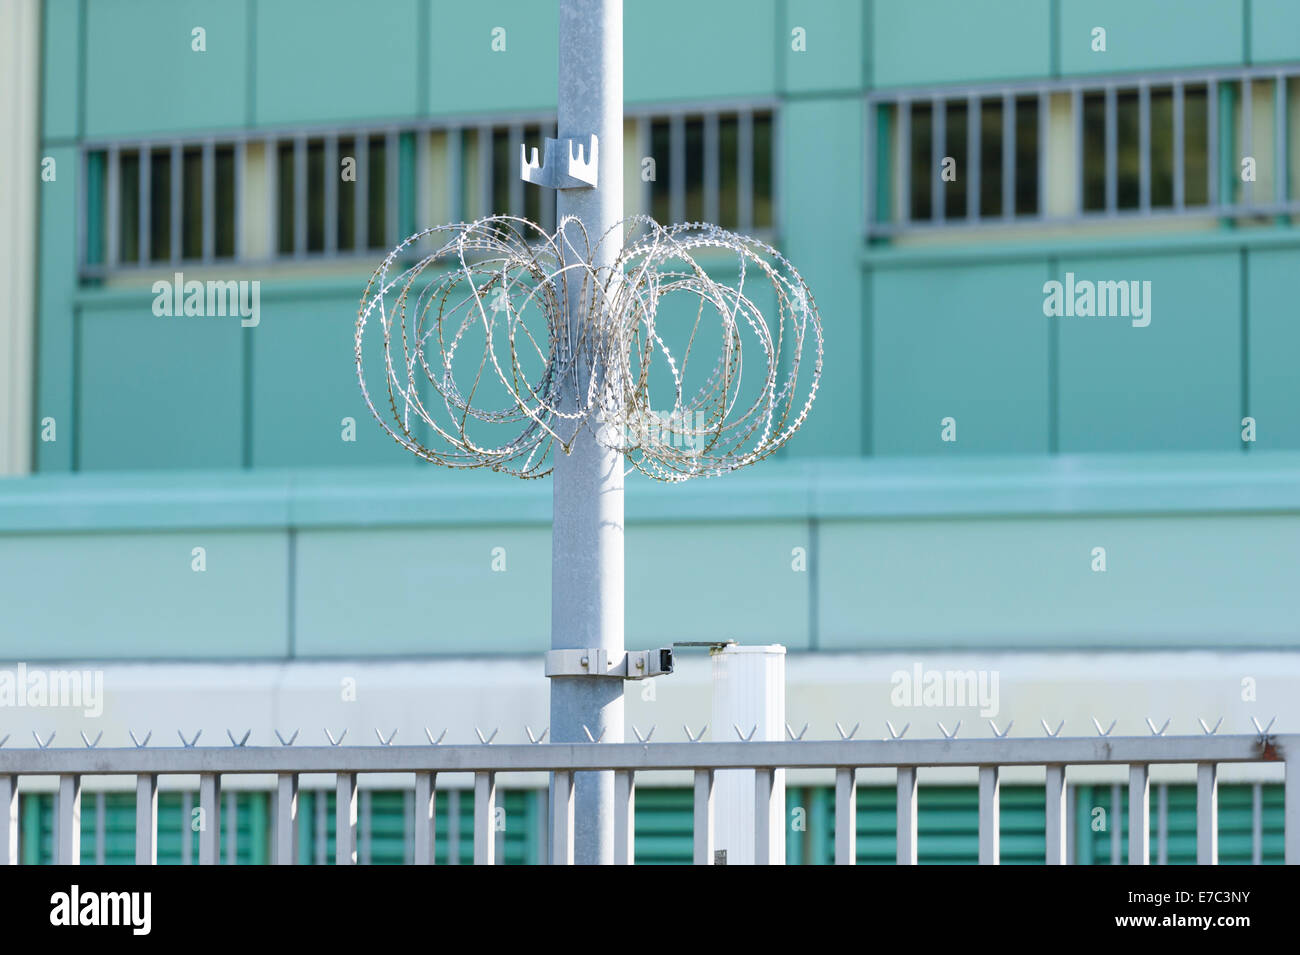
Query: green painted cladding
pixel 1150 35
pixel 916 42
pixel 968 343
pixel 55 316
pixel 1273 346
pixel 60 69
pixel 829 55
pixel 1022 584
pixel 465 74
pixel 143 75
pixel 140 596
pixel 1274 31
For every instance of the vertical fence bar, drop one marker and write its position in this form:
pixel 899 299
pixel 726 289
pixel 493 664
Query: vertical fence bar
pixel 1180 149
pixel 209 818
pixel 68 826
pixel 100 825
pixel 624 817
pixel 1139 814
pixel 1112 151
pixel 515 135
pixel 907 828
pixel 331 219
pixel 1008 156
pixel 208 162
pixel 764 805
pixel 485 810
pixel 83 209
pixel 869 161
pixel 146 819
pixel 361 193
pixel 972 172
pixel 113 208
pixel 187 828
pixel 1162 824
pixel 299 196
pixel 562 819
pixel 426 835
pixel 1144 146
pixel 1291 810
pixel 271 163
pixel 846 816
pixel 1056 815
pixel 8 820
pixel 241 159
pixel 345 819
pixel 1076 119
pixel 1207 814
pixel 393 188
pixel 363 827
pixel 938 150
pixel 485 197
pixel 990 852
pixel 1044 110
pixel 703 828
pixel 286 819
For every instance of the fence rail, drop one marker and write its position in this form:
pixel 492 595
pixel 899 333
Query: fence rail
pixel 625 760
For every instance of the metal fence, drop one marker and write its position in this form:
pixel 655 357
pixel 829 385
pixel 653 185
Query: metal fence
pixel 626 760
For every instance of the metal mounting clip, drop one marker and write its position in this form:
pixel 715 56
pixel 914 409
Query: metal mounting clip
pixel 566 164
pixel 633 665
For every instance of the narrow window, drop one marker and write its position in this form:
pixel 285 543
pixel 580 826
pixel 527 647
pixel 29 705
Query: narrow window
pixel 192 203
pixel 1027 146
pixel 128 208
pixel 764 211
pixel 921 160
pixel 990 157
pixel 729 171
pixel 160 205
pixel 315 195
pixel 376 193
pixel 346 236
pixel 661 187
pixel 225 202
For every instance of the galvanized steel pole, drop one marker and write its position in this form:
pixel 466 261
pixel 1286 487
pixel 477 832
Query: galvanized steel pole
pixel 587 534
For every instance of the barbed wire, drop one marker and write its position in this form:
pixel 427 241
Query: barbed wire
pixel 632 365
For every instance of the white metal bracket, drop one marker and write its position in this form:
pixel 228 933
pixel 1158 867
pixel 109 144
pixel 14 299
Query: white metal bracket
pixel 632 665
pixel 566 164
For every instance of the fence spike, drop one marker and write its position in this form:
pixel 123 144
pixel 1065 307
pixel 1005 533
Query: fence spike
pixel 693 738
pixel 190 744
pixel 432 741
pixel 849 734
pixel 955 730
pixel 900 734
pixel 5 740
pixel 286 742
pixel 534 739
pixel 488 741
pixel 242 741
pixel 333 741
pixel 1262 730
pixel 1048 730
pixel 640 738
pixel 1158 732
pixel 1208 731
pixel 743 737
pixel 792 733
pixel 590 738
pixel 46 744
pixel 1004 733
pixel 89 744
pixel 1106 731
pixel 139 744
pixel 386 742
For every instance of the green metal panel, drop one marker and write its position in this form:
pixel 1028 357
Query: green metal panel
pixel 1029 583
pixel 705 581
pixel 1174 385
pixel 142 75
pixel 664 826
pixel 98 596
pixel 821 216
pixel 325 61
pixel 1151 35
pixel 950 41
pixel 56 280
pixel 969 343
pixel 1274 31
pixel 466 75
pixel 833 40
pixel 683 49
pixel 423 591
pixel 1274 344
pixel 159 392
pixel 60 70
pixel 304 383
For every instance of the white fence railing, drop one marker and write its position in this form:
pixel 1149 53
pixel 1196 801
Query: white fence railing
pixel 626 760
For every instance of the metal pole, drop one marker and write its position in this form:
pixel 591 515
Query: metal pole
pixel 587 535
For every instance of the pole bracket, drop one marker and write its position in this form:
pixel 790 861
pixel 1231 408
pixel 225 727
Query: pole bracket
pixel 597 662
pixel 566 163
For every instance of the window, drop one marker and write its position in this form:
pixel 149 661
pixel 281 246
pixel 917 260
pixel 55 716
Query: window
pixel 1069 149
